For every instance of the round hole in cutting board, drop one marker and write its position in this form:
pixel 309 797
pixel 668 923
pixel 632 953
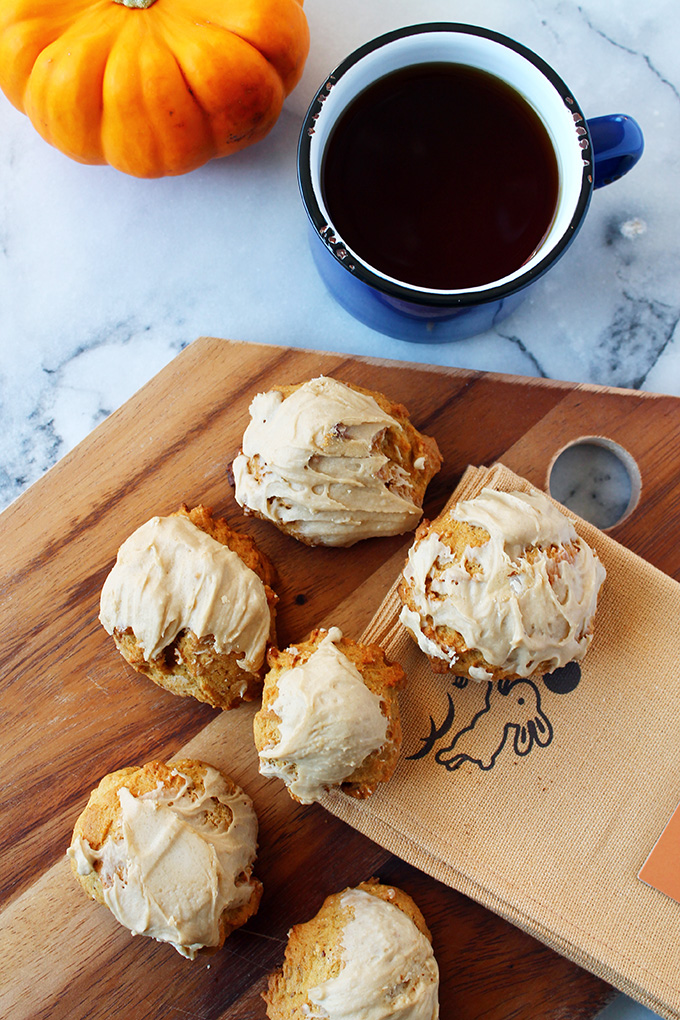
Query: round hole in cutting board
pixel 597 479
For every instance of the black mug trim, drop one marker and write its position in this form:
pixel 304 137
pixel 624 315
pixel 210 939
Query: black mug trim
pixel 351 261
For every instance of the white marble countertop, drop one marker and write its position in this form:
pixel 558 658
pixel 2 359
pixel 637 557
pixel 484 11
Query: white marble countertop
pixel 105 278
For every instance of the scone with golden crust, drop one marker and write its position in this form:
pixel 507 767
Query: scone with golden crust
pixel 189 604
pixel 169 849
pixel 500 587
pixel 367 952
pixel 329 717
pixel 331 463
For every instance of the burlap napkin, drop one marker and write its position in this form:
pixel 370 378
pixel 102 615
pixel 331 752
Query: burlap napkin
pixel 543 803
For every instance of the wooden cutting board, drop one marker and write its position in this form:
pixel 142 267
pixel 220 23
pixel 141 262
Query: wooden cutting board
pixel 73 711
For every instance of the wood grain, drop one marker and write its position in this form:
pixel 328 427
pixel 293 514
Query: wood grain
pixel 72 710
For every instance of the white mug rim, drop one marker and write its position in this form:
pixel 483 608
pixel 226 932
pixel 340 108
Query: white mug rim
pixel 352 261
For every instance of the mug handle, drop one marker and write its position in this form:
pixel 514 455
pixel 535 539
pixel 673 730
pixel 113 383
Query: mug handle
pixel 617 143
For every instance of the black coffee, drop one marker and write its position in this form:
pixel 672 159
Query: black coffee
pixel 442 176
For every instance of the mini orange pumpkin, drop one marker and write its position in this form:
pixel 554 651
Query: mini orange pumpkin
pixel 153 87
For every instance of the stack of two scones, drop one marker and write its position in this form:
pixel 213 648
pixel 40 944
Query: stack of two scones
pixel 190 603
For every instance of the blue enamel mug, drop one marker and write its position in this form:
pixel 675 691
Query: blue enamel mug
pixel 588 153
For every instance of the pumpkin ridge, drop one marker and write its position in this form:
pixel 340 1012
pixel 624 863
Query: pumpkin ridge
pixel 194 99
pixel 175 37
pixel 21 44
pixel 163 124
pixel 200 78
pixel 64 96
pixel 26 34
pixel 178 17
pixel 206 69
pixel 255 31
pixel 124 65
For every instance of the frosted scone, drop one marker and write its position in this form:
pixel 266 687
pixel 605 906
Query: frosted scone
pixel 169 849
pixel 331 464
pixel 329 717
pixel 500 587
pixel 189 604
pixel 366 954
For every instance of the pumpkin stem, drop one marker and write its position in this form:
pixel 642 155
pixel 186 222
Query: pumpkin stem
pixel 137 4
